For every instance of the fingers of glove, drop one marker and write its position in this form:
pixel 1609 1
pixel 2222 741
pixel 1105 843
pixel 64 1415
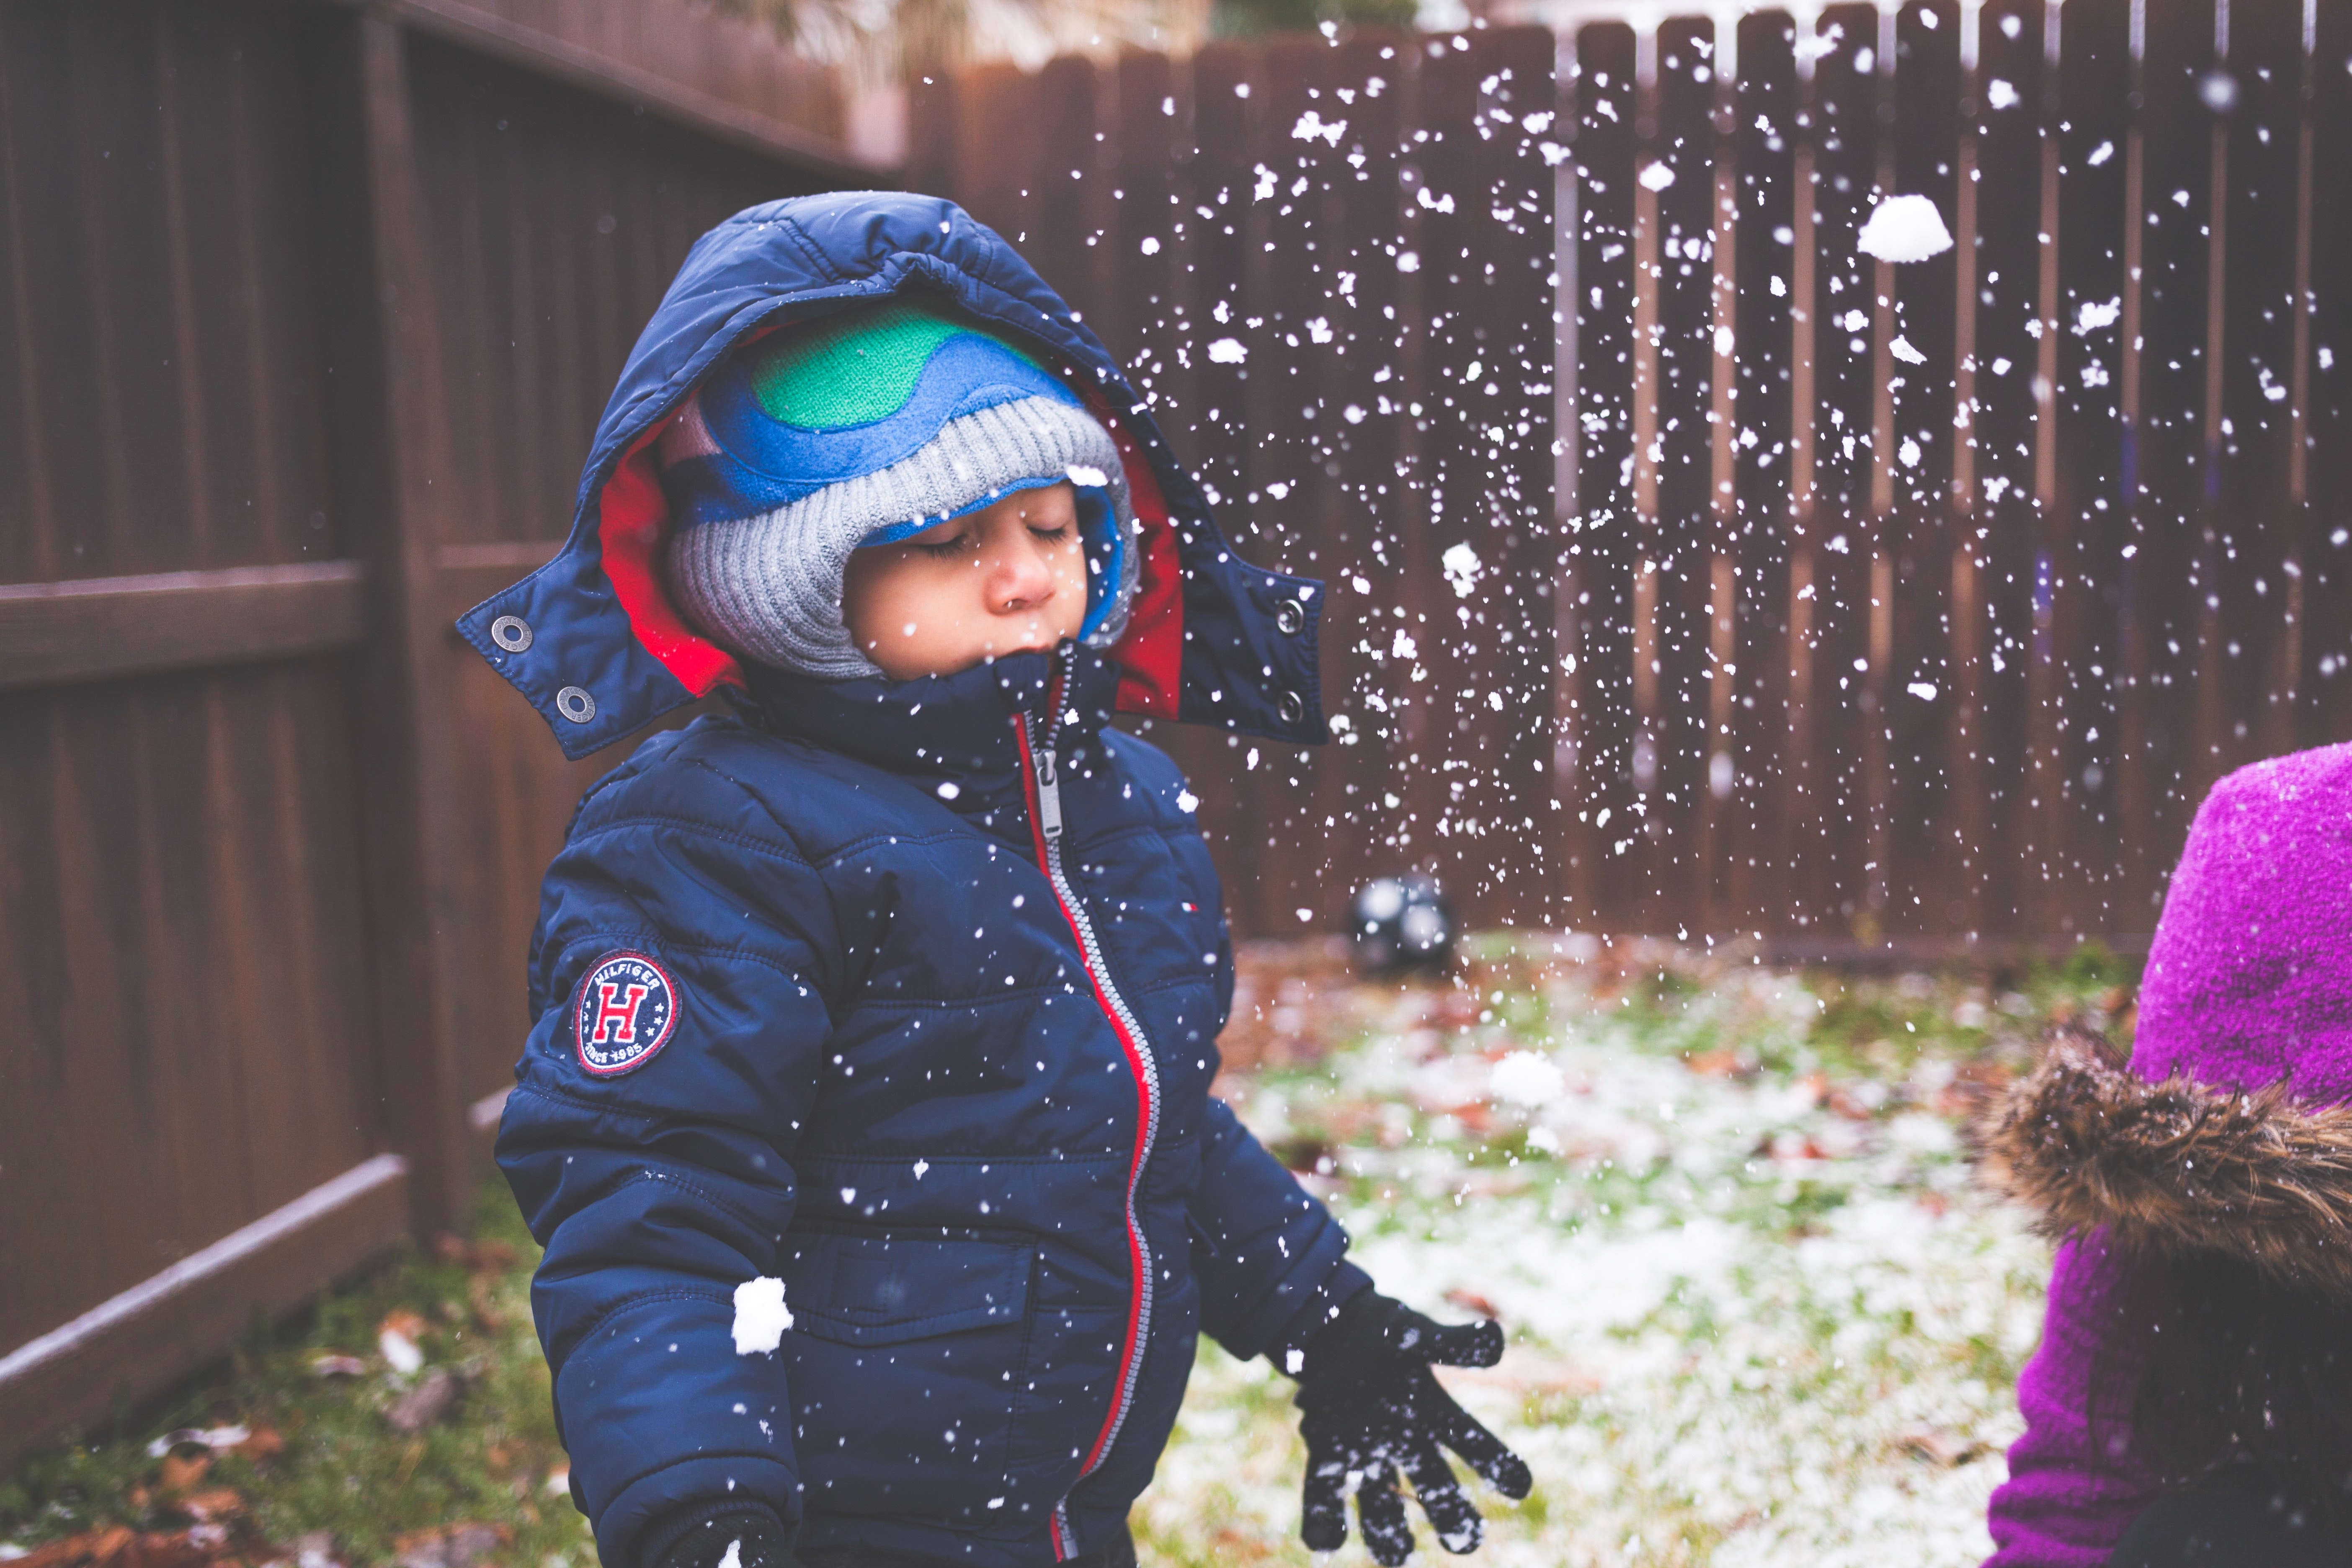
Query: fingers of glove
pixel 1464 1344
pixel 1466 1436
pixel 1451 1513
pixel 1323 1514
pixel 1380 1509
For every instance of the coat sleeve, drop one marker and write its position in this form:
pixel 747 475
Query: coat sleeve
pixel 659 1188
pixel 2067 1501
pixel 1264 1250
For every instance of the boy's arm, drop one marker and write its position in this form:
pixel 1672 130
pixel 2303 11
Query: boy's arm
pixel 648 1139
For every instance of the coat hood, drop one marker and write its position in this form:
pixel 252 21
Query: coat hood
pixel 2176 1165
pixel 593 639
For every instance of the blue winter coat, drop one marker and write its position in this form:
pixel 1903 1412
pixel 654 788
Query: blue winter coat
pixel 905 994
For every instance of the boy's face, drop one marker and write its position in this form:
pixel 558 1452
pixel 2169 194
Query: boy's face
pixel 1010 578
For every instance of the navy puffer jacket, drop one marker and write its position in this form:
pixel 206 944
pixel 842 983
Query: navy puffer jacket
pixel 905 995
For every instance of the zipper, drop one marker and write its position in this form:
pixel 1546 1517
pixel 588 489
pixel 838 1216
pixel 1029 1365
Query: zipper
pixel 1042 782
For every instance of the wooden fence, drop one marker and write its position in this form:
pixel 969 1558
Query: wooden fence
pixel 1692 570
pixel 306 315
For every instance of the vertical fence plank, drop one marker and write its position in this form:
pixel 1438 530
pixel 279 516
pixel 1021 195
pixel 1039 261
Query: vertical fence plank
pixel 1765 157
pixel 1225 148
pixel 1070 200
pixel 1834 554
pixel 2078 665
pixel 391 447
pixel 2327 697
pixel 2006 426
pixel 1602 545
pixel 1516 621
pixel 2255 654
pixel 1363 682
pixel 1290 372
pixel 1673 627
pixel 2169 218
pixel 1917 723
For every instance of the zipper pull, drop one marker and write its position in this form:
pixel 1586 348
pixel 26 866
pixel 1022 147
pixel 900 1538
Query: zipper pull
pixel 1049 797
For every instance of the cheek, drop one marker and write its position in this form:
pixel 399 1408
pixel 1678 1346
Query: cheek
pixel 880 602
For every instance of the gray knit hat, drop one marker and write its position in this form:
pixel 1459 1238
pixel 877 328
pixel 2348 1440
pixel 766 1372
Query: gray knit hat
pixel 865 429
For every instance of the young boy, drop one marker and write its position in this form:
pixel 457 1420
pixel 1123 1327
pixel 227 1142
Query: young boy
pixel 865 1117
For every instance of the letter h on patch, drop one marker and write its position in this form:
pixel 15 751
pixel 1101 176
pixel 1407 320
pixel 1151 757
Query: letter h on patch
pixel 625 1009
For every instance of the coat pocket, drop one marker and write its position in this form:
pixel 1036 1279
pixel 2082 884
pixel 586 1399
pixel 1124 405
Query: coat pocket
pixel 908 1361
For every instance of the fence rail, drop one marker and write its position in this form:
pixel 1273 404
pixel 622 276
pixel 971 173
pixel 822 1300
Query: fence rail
pixel 309 310
pixel 1693 571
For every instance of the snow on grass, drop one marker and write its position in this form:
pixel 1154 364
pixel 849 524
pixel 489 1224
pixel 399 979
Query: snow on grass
pixel 1759 1315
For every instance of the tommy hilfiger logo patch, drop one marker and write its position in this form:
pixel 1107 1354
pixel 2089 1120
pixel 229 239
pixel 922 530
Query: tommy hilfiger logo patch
pixel 626 1010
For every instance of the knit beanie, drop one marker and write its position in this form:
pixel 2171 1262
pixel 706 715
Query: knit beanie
pixel 868 427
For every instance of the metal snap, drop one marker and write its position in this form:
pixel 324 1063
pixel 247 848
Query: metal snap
pixel 1291 706
pixel 1290 615
pixel 574 703
pixel 511 633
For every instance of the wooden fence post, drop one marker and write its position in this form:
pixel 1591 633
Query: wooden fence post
pixel 391 447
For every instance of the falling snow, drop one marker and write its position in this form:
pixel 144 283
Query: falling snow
pixel 761 1316
pixel 1904 228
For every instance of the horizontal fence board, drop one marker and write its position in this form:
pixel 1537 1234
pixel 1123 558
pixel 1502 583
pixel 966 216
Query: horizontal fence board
pixel 145 1339
pixel 695 94
pixel 107 628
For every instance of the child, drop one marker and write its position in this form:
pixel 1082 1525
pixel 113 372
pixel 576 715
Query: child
pixel 2191 1401
pixel 865 1117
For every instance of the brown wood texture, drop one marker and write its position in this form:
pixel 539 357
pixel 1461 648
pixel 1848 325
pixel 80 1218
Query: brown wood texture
pixel 55 634
pixel 305 323
pixel 1906 603
pixel 136 1343
pixel 710 74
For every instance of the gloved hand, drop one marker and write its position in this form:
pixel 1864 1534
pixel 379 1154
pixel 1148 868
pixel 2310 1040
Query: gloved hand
pixel 738 1538
pixel 1374 1410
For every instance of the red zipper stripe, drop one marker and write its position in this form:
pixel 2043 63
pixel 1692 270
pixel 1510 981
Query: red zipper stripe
pixel 1122 1023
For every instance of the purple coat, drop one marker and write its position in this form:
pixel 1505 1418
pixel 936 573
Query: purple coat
pixel 2249 983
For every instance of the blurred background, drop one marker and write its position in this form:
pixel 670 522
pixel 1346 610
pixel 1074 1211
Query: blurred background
pixel 1737 579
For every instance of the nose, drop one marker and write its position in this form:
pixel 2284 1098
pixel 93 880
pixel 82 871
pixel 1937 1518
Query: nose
pixel 1020 578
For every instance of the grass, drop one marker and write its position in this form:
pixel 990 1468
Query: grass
pixel 1759 1314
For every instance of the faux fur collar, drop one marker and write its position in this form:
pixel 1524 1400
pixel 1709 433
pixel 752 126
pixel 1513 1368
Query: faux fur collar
pixel 2176 1167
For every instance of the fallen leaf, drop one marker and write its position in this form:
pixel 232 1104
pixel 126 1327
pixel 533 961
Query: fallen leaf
pixel 337 1367
pixel 180 1475
pixel 219 1502
pixel 453 1546
pixel 200 1436
pixel 1941 1448
pixel 265 1443
pixel 1469 1300
pixel 426 1404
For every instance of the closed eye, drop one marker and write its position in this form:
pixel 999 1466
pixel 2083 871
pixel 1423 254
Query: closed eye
pixel 1052 535
pixel 964 539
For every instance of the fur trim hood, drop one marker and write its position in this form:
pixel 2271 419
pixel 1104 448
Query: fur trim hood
pixel 2176 1165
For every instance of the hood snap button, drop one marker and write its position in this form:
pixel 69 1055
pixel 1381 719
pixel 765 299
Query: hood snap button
pixel 1290 616
pixel 1291 706
pixel 574 703
pixel 511 633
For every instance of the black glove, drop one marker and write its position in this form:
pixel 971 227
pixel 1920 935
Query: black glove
pixel 703 1543
pixel 1374 1410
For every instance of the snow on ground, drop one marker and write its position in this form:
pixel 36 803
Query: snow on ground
pixel 1758 1317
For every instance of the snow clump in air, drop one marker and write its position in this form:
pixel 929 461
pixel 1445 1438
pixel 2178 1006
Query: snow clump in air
pixel 761 1316
pixel 1462 569
pixel 1904 229
pixel 1528 1078
pixel 1228 351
